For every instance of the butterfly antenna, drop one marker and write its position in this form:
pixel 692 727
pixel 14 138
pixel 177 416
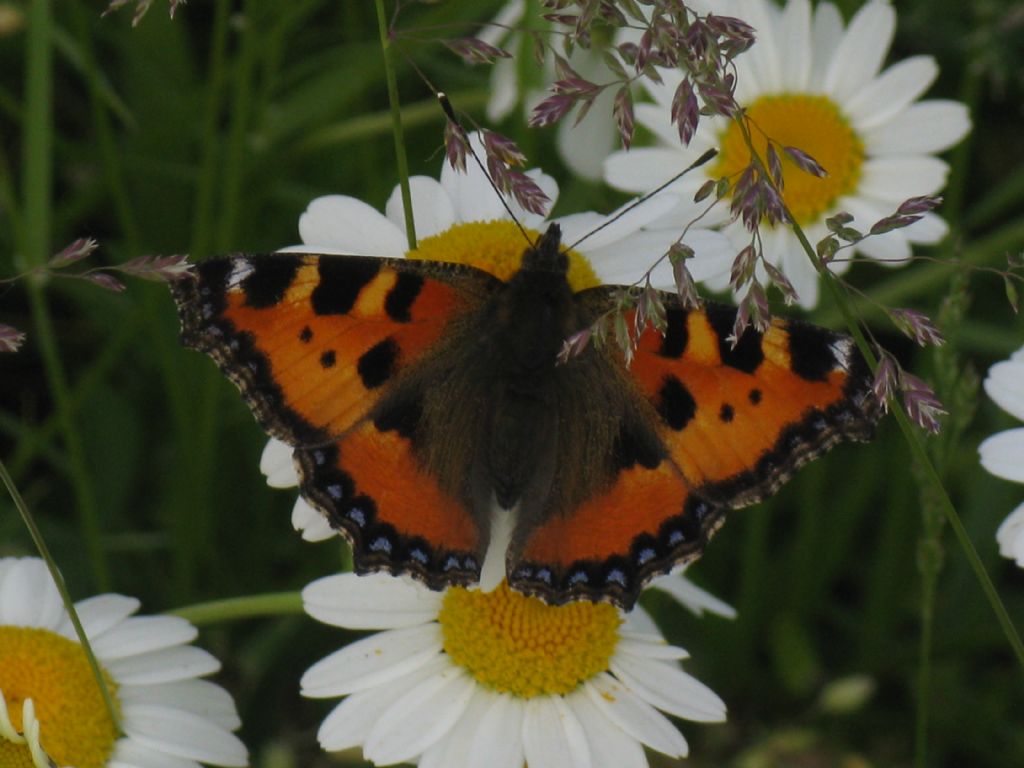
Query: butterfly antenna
pixel 450 114
pixel 695 164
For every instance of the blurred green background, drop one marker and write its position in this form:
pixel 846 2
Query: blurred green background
pixel 211 133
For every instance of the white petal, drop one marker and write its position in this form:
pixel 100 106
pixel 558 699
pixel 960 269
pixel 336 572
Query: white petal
pixel 610 746
pixel 130 754
pixel 348 723
pixel 502 526
pixel 894 179
pixel 923 128
pixel 666 687
pixel 692 597
pixel 801 273
pixel 504 89
pixel 183 734
pixel 644 168
pixel 657 119
pixel 617 225
pixel 452 750
pixel 311 522
pixel 372 661
pixel 498 741
pixel 341 224
pixel 373 601
pixel 1005 385
pixel 496 30
pixel 928 230
pixel 890 93
pixel 423 715
pixel 179 663
pixel 143 634
pixel 890 249
pixel 201 697
pixel 584 147
pixel 276 463
pixel 28 597
pixel 758 70
pixel 1010 536
pixel 1003 454
pixel 100 613
pixel 794 39
pixel 471 193
pixel 432 210
pixel 648 646
pixel 639 622
pixel 552 736
pixel 826 34
pixel 860 54
pixel 635 716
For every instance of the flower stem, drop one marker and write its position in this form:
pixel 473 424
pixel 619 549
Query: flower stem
pixel 396 123
pixel 62 588
pixel 234 608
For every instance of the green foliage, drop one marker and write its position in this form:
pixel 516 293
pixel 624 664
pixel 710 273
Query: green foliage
pixel 211 133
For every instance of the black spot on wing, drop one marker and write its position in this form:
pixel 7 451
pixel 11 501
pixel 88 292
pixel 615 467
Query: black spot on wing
pixel 746 355
pixel 401 297
pixel 810 351
pixel 341 280
pixel 675 403
pixel 270 277
pixel 755 396
pixel 676 334
pixel 377 364
pixel 306 335
pixel 328 358
pixel 400 414
pixel 633 446
pixel 726 414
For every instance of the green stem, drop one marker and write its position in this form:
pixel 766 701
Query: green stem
pixel 235 608
pixel 62 588
pixel 396 123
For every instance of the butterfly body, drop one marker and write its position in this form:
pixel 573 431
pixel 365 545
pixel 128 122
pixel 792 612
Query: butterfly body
pixel 423 399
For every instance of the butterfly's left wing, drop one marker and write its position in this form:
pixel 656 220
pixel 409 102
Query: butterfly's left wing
pixel 734 423
pixel 315 343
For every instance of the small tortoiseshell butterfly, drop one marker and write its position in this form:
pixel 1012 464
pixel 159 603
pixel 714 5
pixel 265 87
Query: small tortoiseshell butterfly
pixel 417 393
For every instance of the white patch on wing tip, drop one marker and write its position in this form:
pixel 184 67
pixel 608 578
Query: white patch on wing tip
pixel 240 270
pixel 502 524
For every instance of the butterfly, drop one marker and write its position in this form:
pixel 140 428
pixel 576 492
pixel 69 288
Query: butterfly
pixel 433 423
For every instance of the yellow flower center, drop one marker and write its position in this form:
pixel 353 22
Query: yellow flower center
pixel 55 673
pixel 813 124
pixel 520 645
pixel 494 246
pixel 15 755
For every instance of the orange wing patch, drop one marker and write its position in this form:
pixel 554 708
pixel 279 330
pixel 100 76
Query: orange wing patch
pixel 371 487
pixel 312 340
pixel 609 547
pixel 748 414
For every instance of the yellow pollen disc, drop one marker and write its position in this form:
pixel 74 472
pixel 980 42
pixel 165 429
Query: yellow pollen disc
pixel 54 672
pixel 15 755
pixel 494 246
pixel 811 123
pixel 519 645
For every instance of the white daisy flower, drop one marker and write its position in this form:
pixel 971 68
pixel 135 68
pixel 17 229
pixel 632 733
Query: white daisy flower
pixel 811 84
pixel 1003 453
pixel 51 708
pixel 460 218
pixel 464 678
